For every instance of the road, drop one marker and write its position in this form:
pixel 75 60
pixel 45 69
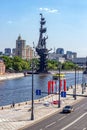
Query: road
pixel 76 120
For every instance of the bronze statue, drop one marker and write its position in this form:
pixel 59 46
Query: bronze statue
pixel 41 49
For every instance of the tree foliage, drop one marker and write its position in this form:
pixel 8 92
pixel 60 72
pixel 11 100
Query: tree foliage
pixel 68 65
pixel 17 64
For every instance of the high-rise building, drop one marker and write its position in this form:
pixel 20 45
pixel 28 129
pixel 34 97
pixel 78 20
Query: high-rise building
pixel 60 51
pixel 21 48
pixel 7 51
pixel 1 53
pixel 70 54
pixel 74 55
pixel 29 52
pixel 13 51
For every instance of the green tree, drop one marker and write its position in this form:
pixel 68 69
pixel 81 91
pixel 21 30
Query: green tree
pixel 68 65
pixel 8 62
pixel 52 65
pixel 20 64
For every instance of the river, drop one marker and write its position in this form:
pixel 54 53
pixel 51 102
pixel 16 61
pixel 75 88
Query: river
pixel 19 89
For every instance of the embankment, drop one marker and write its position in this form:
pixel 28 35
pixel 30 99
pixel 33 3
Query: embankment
pixel 7 76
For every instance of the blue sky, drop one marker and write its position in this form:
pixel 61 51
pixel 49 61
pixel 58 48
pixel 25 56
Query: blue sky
pixel 66 22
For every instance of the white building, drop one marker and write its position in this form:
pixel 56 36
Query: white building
pixel 81 61
pixel 58 57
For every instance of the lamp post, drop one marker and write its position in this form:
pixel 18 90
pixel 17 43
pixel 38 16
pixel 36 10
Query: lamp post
pixel 59 89
pixel 75 84
pixel 82 88
pixel 84 78
pixel 82 85
pixel 32 108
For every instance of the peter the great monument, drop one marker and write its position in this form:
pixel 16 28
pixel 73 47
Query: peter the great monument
pixel 41 49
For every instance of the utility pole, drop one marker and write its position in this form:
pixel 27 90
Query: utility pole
pixel 59 89
pixel 84 77
pixel 75 84
pixel 32 108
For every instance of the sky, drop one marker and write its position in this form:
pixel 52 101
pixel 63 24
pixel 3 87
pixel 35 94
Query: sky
pixel 66 22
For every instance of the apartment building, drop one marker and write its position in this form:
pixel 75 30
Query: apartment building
pixel 22 50
pixel 21 47
pixel 2 67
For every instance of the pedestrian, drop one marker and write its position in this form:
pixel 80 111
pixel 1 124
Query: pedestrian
pixel 71 86
pixel 67 88
pixel 13 104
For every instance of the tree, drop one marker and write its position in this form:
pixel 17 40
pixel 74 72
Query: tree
pixel 8 62
pixel 16 63
pixel 68 65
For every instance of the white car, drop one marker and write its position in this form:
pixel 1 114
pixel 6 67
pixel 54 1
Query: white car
pixel 46 104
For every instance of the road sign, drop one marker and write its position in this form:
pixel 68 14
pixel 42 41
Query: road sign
pixel 38 92
pixel 63 94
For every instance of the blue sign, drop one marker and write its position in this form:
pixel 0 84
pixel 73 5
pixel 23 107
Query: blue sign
pixel 38 92
pixel 63 94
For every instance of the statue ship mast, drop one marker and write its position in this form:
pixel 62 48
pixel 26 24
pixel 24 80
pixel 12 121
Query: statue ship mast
pixel 41 49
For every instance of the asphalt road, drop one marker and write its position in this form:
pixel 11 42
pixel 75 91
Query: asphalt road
pixel 76 120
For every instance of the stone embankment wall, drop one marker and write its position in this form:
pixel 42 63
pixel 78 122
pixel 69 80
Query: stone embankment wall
pixel 11 76
pixel 25 103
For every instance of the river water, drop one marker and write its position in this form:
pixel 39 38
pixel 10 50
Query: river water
pixel 19 89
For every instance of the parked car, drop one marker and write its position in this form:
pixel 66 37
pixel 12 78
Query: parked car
pixel 46 104
pixel 55 102
pixel 67 109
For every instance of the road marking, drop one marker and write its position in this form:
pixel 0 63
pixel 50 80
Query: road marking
pixel 84 128
pixel 50 124
pixel 74 121
pixel 3 120
pixel 62 118
pixel 80 107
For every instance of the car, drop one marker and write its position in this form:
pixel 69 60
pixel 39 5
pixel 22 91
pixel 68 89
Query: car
pixel 55 102
pixel 67 109
pixel 46 104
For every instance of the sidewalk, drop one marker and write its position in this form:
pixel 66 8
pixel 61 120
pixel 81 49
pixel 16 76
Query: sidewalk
pixel 20 116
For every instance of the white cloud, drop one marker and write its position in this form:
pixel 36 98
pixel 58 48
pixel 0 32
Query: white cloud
pixel 10 22
pixel 49 10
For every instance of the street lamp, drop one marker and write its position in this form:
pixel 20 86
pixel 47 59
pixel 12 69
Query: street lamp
pixel 59 89
pixel 84 78
pixel 75 85
pixel 32 108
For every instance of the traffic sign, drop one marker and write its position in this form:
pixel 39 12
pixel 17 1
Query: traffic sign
pixel 38 92
pixel 63 94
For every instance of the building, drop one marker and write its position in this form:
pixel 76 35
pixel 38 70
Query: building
pixel 29 52
pixel 70 55
pixel 74 54
pixel 1 53
pixel 2 67
pixel 60 51
pixel 57 57
pixel 21 48
pixel 13 51
pixel 81 61
pixel 7 52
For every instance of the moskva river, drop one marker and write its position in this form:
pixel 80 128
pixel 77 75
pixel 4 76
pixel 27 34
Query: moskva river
pixel 20 89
